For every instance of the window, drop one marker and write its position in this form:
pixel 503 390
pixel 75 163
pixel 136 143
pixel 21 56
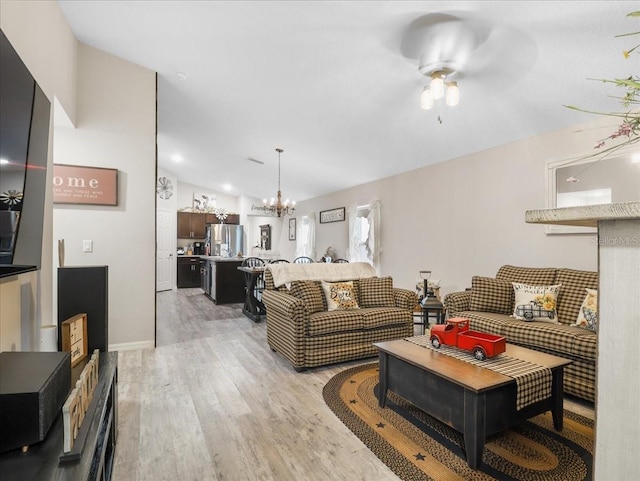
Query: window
pixel 306 237
pixel 364 234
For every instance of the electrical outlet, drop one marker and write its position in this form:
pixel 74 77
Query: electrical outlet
pixel 87 246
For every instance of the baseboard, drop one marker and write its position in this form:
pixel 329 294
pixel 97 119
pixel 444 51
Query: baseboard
pixel 132 346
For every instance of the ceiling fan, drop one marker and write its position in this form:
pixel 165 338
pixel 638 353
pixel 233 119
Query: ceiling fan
pixel 485 53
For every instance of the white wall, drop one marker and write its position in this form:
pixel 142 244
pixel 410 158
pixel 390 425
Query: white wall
pixel 170 204
pixel 115 128
pixel 465 217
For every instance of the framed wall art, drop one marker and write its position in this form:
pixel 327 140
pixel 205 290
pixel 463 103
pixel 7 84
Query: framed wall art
pixel 75 184
pixel 292 229
pixel 333 215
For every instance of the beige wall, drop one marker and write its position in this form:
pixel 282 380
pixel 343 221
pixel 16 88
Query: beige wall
pixel 43 39
pixel 115 128
pixel 112 106
pixel 465 217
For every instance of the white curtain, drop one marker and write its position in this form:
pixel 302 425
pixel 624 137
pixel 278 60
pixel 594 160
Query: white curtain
pixel 306 236
pixel 373 242
pixel 364 234
pixel 353 254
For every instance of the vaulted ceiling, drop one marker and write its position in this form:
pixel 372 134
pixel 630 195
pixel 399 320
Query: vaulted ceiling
pixel 336 84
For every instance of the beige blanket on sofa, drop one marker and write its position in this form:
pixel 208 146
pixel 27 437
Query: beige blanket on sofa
pixel 283 274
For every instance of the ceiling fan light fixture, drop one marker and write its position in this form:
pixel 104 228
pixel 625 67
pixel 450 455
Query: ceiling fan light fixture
pixel 437 84
pixel 426 99
pixel 453 94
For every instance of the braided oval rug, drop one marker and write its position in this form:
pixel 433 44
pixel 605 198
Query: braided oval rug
pixel 417 447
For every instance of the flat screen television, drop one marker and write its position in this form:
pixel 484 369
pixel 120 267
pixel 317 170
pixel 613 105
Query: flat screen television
pixel 24 140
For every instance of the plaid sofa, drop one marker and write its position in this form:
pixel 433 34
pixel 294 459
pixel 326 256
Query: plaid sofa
pixel 490 302
pixel 300 327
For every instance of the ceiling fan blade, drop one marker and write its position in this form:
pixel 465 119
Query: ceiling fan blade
pixel 443 38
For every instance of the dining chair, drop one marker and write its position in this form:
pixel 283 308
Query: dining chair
pixel 340 261
pixel 303 260
pixel 254 262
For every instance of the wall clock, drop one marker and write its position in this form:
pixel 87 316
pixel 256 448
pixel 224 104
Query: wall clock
pixel 164 188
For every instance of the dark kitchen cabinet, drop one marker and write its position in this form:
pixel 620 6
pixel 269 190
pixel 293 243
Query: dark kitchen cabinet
pixel 232 219
pixel 191 225
pixel 189 271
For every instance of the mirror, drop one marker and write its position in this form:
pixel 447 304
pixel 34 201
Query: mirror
pixel 24 141
pixel 604 180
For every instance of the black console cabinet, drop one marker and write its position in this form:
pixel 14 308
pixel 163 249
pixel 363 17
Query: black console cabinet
pixel 92 456
pixel 85 289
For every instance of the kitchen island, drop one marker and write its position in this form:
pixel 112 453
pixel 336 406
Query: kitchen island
pixel 221 281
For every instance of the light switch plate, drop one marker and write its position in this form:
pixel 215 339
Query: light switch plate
pixel 87 246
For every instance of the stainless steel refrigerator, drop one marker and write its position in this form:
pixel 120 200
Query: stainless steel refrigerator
pixel 224 240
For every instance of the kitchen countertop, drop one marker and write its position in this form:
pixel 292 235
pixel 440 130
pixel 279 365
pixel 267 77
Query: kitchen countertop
pixel 214 258
pixel 584 216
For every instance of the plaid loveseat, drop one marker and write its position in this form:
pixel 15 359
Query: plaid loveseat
pixel 490 303
pixel 300 328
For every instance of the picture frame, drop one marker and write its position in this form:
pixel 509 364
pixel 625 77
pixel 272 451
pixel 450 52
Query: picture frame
pixel 265 237
pixel 76 184
pixel 292 229
pixel 75 338
pixel 332 215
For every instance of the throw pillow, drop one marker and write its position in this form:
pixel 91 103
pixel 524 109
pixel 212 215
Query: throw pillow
pixel 535 303
pixel 588 317
pixel 340 295
pixel 310 292
pixel 491 295
pixel 377 292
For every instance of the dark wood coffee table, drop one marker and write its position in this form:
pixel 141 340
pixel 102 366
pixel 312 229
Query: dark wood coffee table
pixel 476 402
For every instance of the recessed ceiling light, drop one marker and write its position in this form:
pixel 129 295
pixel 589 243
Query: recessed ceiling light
pixel 176 158
pixel 182 75
pixel 635 159
pixel 227 187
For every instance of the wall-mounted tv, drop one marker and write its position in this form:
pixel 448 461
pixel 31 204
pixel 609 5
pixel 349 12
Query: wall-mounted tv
pixel 24 140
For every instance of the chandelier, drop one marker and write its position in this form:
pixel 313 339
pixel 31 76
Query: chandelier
pixel 276 206
pixel 439 87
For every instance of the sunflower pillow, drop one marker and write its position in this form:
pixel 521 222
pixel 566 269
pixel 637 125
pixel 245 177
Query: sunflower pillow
pixel 536 303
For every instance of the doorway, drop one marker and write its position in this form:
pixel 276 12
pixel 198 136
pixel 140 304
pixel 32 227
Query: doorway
pixel 165 260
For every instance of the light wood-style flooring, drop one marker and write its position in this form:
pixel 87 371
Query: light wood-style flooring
pixel 213 402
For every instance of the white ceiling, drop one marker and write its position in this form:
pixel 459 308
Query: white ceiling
pixel 336 84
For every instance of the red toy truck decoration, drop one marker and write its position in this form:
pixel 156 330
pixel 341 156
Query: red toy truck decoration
pixel 455 332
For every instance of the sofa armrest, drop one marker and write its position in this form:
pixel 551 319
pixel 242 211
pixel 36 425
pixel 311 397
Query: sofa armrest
pixel 286 319
pixel 284 303
pixel 457 302
pixel 404 298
